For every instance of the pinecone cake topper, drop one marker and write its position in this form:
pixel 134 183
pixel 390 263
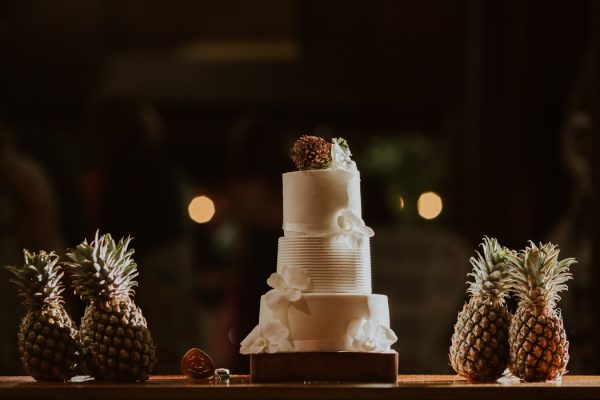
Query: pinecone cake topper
pixel 311 152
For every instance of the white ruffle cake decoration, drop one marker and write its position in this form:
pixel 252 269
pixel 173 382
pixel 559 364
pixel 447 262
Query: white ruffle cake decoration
pixel 267 337
pixel 370 336
pixel 340 156
pixel 353 229
pixel 287 287
pixel 272 336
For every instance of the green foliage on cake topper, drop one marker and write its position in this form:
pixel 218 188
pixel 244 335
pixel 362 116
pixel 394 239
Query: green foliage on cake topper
pixel 343 143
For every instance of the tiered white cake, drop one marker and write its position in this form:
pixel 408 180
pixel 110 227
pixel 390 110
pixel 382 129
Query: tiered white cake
pixel 321 298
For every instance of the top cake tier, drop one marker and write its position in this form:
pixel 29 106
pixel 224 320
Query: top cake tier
pixel 313 200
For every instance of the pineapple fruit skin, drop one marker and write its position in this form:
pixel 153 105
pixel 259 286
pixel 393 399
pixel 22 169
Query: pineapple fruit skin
pixel 48 344
pixel 47 336
pixel 479 345
pixel 116 341
pixel 479 349
pixel 539 349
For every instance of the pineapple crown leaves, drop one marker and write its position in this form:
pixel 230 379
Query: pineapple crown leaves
pixel 537 277
pixel 38 281
pixel 490 272
pixel 311 152
pixel 103 269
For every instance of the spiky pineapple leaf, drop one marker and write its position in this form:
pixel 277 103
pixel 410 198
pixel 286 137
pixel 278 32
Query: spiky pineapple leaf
pixel 537 277
pixel 103 269
pixel 38 280
pixel 490 272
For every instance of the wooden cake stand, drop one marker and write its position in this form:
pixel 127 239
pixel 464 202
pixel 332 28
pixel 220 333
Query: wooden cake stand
pixel 324 367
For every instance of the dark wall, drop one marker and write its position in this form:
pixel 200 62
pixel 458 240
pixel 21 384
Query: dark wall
pixel 489 98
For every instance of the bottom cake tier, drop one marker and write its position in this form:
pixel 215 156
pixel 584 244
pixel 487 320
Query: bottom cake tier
pixel 326 322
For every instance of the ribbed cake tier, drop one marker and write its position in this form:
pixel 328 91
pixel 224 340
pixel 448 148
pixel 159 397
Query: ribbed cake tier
pixel 319 322
pixel 312 200
pixel 330 264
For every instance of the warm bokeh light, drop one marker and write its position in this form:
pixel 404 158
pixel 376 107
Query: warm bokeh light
pixel 401 202
pixel 201 209
pixel 429 205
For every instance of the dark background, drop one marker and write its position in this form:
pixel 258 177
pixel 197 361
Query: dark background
pixel 115 113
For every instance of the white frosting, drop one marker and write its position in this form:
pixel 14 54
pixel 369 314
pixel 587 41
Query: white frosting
pixel 331 265
pixel 320 322
pixel 321 293
pixel 313 200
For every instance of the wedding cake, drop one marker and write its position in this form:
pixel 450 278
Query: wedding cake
pixel 321 298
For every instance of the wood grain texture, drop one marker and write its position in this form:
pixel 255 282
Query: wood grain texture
pixel 324 366
pixel 239 387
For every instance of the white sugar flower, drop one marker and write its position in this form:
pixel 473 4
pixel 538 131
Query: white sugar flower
pixel 340 155
pixel 267 337
pixel 287 287
pixel 370 336
pixel 353 229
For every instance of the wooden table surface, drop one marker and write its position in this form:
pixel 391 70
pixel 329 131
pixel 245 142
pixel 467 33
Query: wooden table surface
pixel 239 387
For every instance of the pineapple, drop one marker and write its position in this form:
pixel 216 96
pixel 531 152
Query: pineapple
pixel 479 349
pixel 116 340
pixel 47 335
pixel 539 349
